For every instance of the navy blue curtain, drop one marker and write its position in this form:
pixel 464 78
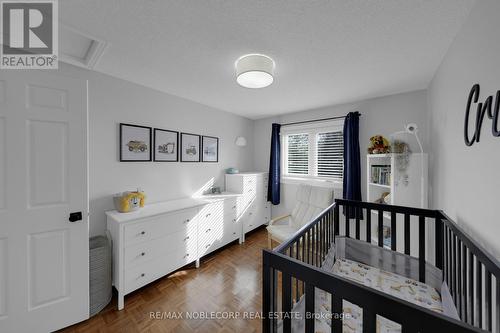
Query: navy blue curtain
pixel 273 187
pixel 352 162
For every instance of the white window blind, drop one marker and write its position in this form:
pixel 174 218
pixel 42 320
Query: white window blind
pixel 330 153
pixel 298 154
pixel 314 150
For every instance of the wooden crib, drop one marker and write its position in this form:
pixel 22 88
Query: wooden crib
pixel 295 270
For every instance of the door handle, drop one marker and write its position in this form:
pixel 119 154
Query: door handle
pixel 76 216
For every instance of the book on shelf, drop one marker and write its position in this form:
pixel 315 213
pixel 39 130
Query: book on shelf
pixel 381 174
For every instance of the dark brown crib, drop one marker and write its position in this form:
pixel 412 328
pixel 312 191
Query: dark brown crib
pixel 293 270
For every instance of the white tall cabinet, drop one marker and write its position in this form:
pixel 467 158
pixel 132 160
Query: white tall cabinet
pixel 253 208
pixel 406 187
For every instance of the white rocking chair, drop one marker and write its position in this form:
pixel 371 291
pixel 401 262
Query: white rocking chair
pixel 311 201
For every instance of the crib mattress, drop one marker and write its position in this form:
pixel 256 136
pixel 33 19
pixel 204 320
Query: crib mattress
pixel 396 285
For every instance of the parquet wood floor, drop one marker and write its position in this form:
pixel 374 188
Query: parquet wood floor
pixel 227 280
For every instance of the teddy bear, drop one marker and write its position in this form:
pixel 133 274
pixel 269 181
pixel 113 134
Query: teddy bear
pixel 378 145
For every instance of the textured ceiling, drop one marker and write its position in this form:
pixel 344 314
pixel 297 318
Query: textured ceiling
pixel 326 52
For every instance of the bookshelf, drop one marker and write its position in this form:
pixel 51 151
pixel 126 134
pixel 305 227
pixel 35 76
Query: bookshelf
pixel 382 175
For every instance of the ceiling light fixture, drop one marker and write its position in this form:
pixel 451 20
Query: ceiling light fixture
pixel 254 71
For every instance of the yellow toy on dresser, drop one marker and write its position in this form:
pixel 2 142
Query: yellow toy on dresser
pixel 129 201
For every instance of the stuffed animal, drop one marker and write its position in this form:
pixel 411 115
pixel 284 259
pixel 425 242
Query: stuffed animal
pixel 400 147
pixel 378 145
pixel 129 201
pixel 384 198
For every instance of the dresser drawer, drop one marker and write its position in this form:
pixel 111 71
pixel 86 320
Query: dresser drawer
pixel 159 226
pixel 160 247
pixel 143 274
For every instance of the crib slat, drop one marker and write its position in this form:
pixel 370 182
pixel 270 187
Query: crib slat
pixel 497 302
pixel 369 321
pixel 459 276
pixel 296 280
pixel 479 293
pixel 327 219
pixel 368 225
pixel 337 309
pixel 347 224
pixel 445 255
pixel 471 287
pixel 321 234
pixel 286 293
pixel 393 231
pixel 407 234
pixel 421 248
pixel 380 228
pixel 487 299
pixel 450 262
pixel 316 245
pixel 336 217
pixel 454 268
pixel 464 282
pixel 438 234
pixel 310 308
pixel 358 213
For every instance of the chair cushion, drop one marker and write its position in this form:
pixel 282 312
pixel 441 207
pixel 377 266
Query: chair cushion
pixel 311 201
pixel 281 233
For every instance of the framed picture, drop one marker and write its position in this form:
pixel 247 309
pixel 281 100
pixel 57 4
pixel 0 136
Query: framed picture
pixel 135 143
pixel 166 145
pixel 190 147
pixel 210 149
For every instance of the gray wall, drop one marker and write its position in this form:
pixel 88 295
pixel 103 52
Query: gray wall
pixel 466 180
pixel 383 115
pixel 112 101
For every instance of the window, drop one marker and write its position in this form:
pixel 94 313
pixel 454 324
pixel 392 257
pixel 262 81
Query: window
pixel 313 150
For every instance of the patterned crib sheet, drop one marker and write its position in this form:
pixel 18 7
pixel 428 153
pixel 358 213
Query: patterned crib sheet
pixel 396 285
pixel 393 284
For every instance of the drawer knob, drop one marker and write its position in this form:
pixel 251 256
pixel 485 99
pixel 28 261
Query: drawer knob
pixel 250 213
pixel 234 220
pixel 143 232
pixel 187 255
pixel 186 221
pixel 234 207
pixel 234 233
pixel 250 225
pixel 208 230
pixel 142 275
pixel 209 214
pixel 143 254
pixel 186 238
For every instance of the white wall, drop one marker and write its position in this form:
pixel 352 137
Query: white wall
pixel 112 101
pixel 383 115
pixel 466 180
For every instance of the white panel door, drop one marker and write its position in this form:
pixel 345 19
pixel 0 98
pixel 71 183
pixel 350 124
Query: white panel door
pixel 44 264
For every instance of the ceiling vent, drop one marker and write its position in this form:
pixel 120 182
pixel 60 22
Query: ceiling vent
pixel 79 49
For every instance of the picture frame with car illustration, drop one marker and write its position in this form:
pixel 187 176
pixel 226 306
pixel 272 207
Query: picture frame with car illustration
pixel 166 145
pixel 135 143
pixel 190 147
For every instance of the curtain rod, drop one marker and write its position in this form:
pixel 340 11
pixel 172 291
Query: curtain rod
pixel 314 120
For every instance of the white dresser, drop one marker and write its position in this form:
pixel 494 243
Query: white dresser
pixel 156 240
pixel 253 208
pixel 219 222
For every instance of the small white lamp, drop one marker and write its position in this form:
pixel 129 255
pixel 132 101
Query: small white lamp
pixel 241 141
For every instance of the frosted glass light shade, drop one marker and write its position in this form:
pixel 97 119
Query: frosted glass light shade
pixel 254 71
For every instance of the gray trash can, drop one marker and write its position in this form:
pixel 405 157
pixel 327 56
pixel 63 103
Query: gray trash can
pixel 100 273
